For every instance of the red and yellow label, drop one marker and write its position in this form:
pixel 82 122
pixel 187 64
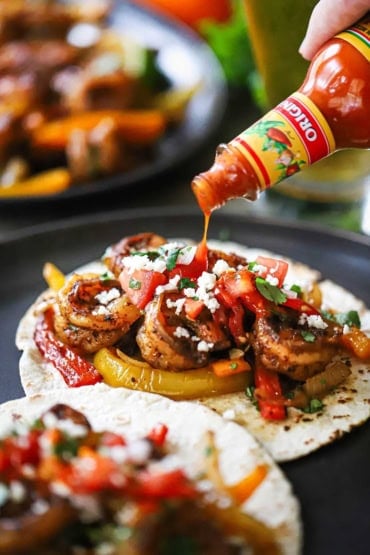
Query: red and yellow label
pixel 359 37
pixel 288 138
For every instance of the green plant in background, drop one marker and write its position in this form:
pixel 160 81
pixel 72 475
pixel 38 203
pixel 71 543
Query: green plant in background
pixel 230 43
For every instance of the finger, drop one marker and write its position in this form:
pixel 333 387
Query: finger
pixel 328 18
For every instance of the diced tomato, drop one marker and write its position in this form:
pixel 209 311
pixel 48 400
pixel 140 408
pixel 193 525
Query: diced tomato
pixel 111 439
pixel 240 285
pixel 92 472
pixel 193 308
pixel 18 451
pixel 158 434
pixel 140 285
pixel 195 268
pixel 274 267
pixel 301 306
pixel 271 401
pixel 172 484
pixel 75 370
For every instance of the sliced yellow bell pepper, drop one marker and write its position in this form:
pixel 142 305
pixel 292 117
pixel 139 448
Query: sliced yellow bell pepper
pixel 119 370
pixel 49 182
pixel 134 126
pixel 53 276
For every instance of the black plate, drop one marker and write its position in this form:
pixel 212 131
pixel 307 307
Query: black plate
pixel 186 60
pixel 333 484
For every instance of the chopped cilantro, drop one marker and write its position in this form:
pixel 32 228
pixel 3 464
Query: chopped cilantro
pixel 106 276
pixel 350 318
pixel 315 405
pixel 185 283
pixel 252 265
pixel 134 284
pixel 233 365
pixel 38 425
pixel 308 336
pixel 172 259
pixel 296 289
pixel 152 255
pixel 67 448
pixel 270 292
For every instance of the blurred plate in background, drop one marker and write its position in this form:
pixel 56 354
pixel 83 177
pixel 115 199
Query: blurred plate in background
pixel 187 61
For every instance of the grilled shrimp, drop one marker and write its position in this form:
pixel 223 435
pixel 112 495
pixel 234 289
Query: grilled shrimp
pixel 171 341
pixel 92 313
pixel 134 243
pixel 283 345
pixel 89 302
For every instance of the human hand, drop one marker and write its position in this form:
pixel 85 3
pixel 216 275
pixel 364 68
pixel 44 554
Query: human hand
pixel 328 18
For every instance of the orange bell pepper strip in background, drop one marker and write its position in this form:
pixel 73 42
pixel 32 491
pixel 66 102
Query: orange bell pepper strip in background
pixel 358 343
pixel 49 182
pixel 74 369
pixel 242 490
pixel 139 127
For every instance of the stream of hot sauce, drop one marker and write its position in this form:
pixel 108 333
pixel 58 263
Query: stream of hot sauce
pixel 202 248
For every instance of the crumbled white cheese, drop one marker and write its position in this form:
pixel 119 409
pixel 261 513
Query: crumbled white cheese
pixel 139 451
pixel 259 269
pixel 170 286
pixel 181 332
pixel 272 280
pixel 100 311
pixel 206 281
pixel 65 425
pixel 40 507
pixel 221 267
pixel 204 346
pixel 289 293
pixel 346 329
pixel 17 491
pixel 177 305
pixel 105 297
pixel 313 321
pixel 133 263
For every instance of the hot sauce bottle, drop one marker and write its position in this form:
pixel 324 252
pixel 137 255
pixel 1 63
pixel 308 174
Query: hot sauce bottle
pixel 330 111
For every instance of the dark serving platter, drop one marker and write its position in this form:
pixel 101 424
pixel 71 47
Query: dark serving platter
pixel 332 484
pixel 186 60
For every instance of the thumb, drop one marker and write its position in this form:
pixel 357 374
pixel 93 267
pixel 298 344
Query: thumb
pixel 328 18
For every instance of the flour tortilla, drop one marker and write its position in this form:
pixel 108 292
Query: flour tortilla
pixel 134 414
pixel 345 408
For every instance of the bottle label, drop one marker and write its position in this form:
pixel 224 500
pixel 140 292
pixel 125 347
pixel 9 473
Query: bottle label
pixel 359 37
pixel 288 138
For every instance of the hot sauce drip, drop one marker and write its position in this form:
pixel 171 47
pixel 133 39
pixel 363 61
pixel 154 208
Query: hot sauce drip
pixel 330 111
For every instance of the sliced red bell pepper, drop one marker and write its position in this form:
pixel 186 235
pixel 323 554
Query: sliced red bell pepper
pixel 75 370
pixel 140 285
pixel 240 286
pixel 271 401
pixel 301 306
